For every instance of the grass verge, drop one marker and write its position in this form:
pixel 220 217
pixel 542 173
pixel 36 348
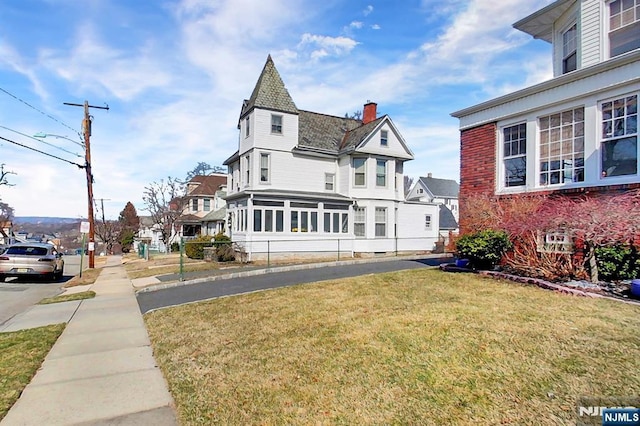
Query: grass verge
pixel 68 297
pixel 89 276
pixel 412 347
pixel 21 354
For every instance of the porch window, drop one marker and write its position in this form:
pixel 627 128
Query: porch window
pixel 359 221
pixel 257 220
pixel 562 147
pixel 381 221
pixel 515 155
pixel 624 26
pixel 268 221
pixel 619 152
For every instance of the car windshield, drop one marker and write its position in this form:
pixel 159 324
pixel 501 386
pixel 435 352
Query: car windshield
pixel 29 251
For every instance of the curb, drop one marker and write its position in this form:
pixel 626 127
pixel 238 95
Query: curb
pixel 163 286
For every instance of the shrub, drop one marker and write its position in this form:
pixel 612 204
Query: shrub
pixel 618 263
pixel 194 249
pixel 484 249
pixel 224 249
pixel 175 247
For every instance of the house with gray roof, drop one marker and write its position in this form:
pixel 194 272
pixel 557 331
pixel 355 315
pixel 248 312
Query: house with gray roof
pixel 205 209
pixel 304 182
pixel 435 190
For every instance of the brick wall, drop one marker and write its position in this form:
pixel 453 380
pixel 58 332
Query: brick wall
pixel 477 163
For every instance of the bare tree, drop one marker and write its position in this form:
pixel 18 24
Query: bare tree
pixel 108 231
pixel 408 181
pixel 165 201
pixel 3 176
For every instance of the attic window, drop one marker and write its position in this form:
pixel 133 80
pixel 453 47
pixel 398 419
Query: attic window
pixel 383 138
pixel 276 124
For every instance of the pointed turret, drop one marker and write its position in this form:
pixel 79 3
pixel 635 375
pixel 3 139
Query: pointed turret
pixel 270 92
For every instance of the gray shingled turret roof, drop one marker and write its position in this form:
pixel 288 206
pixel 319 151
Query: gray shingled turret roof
pixel 445 188
pixel 269 92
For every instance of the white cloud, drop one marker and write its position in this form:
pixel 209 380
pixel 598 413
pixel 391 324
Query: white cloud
pixel 325 45
pixel 367 11
pixel 356 24
pixel 375 27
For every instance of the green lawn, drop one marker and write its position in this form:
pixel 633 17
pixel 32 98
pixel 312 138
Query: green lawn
pixel 21 354
pixel 413 347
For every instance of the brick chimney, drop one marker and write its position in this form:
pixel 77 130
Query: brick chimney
pixel 369 114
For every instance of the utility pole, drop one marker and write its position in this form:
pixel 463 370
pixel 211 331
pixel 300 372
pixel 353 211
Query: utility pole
pixel 86 130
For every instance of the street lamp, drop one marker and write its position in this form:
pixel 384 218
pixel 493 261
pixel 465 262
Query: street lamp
pixel 42 135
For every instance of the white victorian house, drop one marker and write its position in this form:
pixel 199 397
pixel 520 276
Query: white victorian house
pixel 306 183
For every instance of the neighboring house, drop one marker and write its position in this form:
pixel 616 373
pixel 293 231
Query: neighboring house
pixel 205 209
pixel 439 191
pixel 6 233
pixel 149 233
pixel 303 182
pixel 575 133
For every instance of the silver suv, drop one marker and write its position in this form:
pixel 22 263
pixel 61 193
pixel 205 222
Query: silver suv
pixel 31 259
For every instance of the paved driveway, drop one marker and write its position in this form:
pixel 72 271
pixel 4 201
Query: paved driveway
pixel 150 300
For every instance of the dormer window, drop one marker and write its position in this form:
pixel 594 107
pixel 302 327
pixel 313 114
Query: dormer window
pixel 570 49
pixel 383 138
pixel 276 124
pixel 624 26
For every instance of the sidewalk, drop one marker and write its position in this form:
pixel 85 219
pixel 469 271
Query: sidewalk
pixel 101 370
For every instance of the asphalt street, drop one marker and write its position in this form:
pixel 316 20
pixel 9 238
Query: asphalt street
pixel 16 295
pixel 150 300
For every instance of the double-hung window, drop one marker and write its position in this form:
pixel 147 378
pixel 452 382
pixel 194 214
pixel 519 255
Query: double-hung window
pixel 619 149
pixel 570 49
pixel 247 170
pixel 206 204
pixel 247 127
pixel 624 26
pixel 381 221
pixel 359 171
pixel 381 173
pixel 427 221
pixel 515 155
pixel 359 221
pixel 384 138
pixel 562 147
pixel 194 205
pixel 276 124
pixel 329 181
pixel 264 168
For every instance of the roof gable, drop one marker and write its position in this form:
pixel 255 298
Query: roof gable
pixel 206 185
pixel 444 188
pixel 362 141
pixel 269 92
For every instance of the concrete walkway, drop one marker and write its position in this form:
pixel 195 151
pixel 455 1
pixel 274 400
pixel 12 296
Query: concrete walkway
pixel 101 371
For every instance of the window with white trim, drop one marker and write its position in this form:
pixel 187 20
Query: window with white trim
pixel 264 167
pixel 624 26
pixel 247 127
pixel 247 170
pixel 619 148
pixel 384 138
pixel 206 204
pixel 194 205
pixel 427 222
pixel 359 171
pixel 329 181
pixel 359 221
pixel 515 155
pixel 276 124
pixel 554 242
pixel 562 147
pixel 381 221
pixel 570 49
pixel 381 173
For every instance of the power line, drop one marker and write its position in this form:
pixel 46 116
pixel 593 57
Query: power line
pixel 41 112
pixel 38 140
pixel 42 152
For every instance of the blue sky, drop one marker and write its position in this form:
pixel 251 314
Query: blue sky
pixel 174 75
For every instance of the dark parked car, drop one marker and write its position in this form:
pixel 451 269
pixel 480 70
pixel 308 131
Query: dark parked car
pixel 31 259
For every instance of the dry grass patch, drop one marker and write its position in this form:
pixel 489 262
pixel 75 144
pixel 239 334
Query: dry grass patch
pixel 413 347
pixel 68 297
pixel 89 276
pixel 21 354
